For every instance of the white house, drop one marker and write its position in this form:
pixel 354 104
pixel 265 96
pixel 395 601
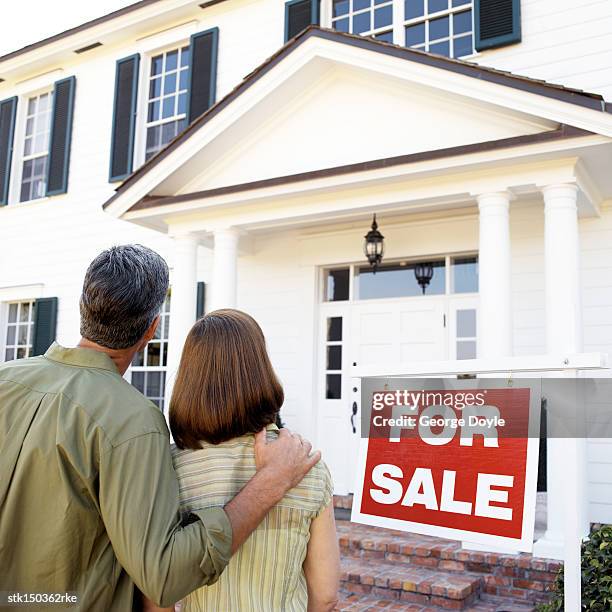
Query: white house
pixel 255 167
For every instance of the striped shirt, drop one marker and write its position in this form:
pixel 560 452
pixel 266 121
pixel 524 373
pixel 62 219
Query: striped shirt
pixel 265 574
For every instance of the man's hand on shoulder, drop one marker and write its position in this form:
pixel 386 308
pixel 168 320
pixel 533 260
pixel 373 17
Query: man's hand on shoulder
pixel 284 461
pixel 281 465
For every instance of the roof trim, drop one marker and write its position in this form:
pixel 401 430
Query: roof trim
pixel 561 133
pixel 572 96
pixel 90 24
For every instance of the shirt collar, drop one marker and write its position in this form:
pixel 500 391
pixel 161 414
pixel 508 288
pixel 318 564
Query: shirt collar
pixel 81 357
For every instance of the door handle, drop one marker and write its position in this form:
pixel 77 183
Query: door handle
pixel 354 412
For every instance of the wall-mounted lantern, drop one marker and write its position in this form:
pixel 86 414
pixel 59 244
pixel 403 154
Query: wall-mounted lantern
pixel 374 246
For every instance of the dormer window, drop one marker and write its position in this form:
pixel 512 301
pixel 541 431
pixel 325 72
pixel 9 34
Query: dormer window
pixel 167 98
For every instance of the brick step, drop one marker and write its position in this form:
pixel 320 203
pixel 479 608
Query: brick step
pixel 410 584
pixel 360 603
pixel 521 577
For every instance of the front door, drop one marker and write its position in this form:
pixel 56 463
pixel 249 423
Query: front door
pixel 385 320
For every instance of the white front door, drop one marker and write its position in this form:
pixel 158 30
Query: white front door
pixel 381 331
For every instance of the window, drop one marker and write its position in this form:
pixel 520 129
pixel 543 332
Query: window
pixel 168 86
pixel 369 17
pixel 19 327
pixel 149 366
pixel 465 274
pixel 333 361
pixel 444 27
pixel 36 147
pixel 466 333
pixel 400 280
pixel 337 285
pixel 439 26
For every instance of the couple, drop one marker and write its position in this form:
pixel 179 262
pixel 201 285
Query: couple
pixel 94 501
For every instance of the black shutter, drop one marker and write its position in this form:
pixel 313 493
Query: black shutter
pixel 200 300
pixel 299 14
pixel 124 117
pixel 8 108
pixel 61 136
pixel 203 72
pixel 497 23
pixel 45 319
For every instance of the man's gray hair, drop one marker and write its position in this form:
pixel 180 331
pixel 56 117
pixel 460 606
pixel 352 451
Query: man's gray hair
pixel 123 291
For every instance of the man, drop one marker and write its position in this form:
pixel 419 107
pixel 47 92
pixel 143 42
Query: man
pixel 88 497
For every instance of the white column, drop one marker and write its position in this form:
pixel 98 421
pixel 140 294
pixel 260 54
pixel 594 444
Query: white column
pixel 182 303
pixel 561 260
pixel 225 261
pixel 495 311
pixel 567 518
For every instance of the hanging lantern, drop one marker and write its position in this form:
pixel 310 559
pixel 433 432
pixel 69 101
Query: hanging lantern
pixel 374 246
pixel 423 273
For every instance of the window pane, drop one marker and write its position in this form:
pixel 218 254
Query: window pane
pixel 433 6
pixel 359 5
pixel 334 329
pixel 153 384
pixel 338 285
pixel 154 108
pixel 22 335
pixel 465 275
pixel 168 107
pixel 184 80
pixel 12 313
pixel 10 335
pixel 138 380
pixel 342 25
pixel 463 46
pixel 462 22
pixel 460 2
pixel 414 8
pixel 155 88
pixel 21 353
pixel 138 359
pixel 383 16
pixel 340 7
pixel 171 60
pixel 385 36
pixel 442 48
pixel 185 56
pixel 170 83
pixel 415 35
pixel 466 323
pixel 9 354
pixel 334 357
pixel 395 280
pixel 361 23
pixel 466 349
pixel 156 64
pixel 438 28
pixel 333 386
pixel 153 354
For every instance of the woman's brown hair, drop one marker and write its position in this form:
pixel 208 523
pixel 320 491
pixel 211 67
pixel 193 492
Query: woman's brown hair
pixel 225 386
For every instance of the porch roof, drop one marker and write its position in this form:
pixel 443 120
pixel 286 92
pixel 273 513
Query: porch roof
pixel 564 113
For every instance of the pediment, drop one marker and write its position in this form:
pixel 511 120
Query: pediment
pixel 349 116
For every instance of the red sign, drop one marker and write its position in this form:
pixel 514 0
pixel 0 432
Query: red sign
pixel 456 464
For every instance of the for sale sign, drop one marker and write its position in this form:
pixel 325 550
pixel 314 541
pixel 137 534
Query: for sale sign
pixel 456 459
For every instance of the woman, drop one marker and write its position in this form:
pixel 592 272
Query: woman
pixel 225 392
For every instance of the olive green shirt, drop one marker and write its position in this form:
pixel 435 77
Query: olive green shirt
pixel 89 500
